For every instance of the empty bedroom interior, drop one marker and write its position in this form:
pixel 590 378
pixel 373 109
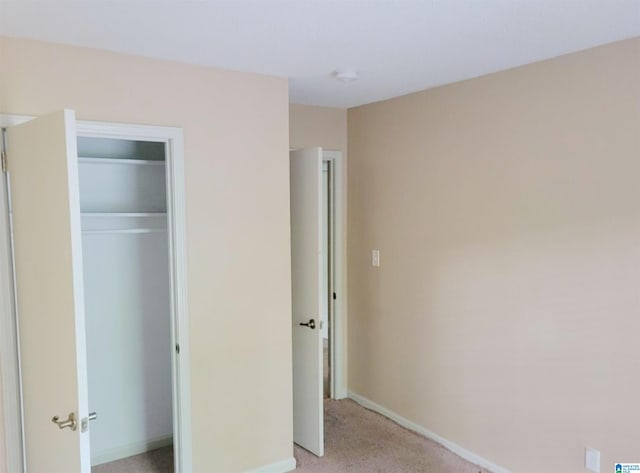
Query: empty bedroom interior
pixel 506 210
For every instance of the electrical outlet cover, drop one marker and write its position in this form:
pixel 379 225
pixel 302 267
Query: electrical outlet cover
pixel 592 460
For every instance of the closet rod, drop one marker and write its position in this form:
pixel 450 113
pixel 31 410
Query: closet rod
pixel 123 214
pixel 124 231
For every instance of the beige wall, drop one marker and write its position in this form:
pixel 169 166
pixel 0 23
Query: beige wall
pixel 237 199
pixel 505 314
pixel 311 126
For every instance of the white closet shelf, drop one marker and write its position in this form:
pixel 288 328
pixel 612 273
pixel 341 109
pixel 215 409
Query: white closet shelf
pixel 89 160
pixel 123 222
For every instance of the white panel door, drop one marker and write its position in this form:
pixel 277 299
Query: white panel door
pixel 43 176
pixel 306 274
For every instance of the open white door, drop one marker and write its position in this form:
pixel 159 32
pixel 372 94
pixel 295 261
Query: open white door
pixel 43 176
pixel 306 270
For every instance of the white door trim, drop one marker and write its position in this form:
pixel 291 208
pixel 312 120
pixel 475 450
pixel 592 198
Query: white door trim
pixel 9 349
pixel 181 384
pixel 338 328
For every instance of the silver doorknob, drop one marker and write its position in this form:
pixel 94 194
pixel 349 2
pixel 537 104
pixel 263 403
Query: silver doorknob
pixel 71 422
pixel 311 324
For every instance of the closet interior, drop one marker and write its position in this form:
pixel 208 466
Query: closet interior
pixel 127 295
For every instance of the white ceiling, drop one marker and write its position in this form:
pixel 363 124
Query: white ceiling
pixel 397 46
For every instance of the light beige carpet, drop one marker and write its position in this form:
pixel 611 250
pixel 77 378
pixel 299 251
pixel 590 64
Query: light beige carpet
pixel 358 440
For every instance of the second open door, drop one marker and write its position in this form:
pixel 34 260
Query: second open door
pixel 306 270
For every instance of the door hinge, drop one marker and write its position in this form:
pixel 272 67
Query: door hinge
pixel 334 296
pixel 177 348
pixel 4 161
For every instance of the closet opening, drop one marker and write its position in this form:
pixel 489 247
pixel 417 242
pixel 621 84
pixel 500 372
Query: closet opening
pixel 127 293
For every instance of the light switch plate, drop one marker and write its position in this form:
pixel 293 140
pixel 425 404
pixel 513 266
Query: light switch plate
pixel 375 258
pixel 592 460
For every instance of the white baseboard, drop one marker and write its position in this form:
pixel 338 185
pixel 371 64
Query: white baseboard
pixel 455 448
pixel 130 449
pixel 282 466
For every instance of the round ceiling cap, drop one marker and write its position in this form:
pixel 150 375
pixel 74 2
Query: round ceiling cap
pixel 346 75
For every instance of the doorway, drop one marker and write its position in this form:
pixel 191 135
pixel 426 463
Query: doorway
pixel 328 276
pixel 333 276
pixel 327 268
pixel 166 227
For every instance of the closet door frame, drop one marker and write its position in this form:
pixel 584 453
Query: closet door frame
pixel 181 384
